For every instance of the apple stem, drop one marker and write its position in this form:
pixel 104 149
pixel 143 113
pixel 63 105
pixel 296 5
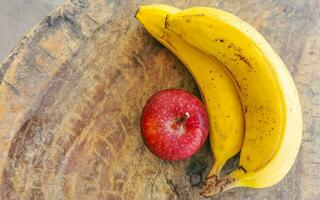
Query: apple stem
pixel 182 119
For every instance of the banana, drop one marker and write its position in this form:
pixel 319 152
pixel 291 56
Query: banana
pixel 273 119
pixel 216 85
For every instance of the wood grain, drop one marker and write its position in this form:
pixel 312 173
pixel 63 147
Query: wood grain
pixel 72 91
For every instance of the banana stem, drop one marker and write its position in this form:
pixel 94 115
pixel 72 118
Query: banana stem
pixel 216 169
pixel 213 185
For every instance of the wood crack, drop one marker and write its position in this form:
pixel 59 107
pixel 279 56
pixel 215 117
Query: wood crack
pixel 12 87
pixel 173 187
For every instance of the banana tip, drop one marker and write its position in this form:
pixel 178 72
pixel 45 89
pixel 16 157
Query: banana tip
pixel 166 22
pixel 136 13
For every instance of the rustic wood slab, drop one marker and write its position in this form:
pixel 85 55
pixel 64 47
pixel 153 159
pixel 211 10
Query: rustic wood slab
pixel 72 91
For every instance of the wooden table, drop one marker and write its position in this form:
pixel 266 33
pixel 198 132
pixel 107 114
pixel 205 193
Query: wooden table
pixel 72 91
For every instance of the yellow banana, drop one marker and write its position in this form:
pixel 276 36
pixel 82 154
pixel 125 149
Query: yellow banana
pixel 216 85
pixel 273 121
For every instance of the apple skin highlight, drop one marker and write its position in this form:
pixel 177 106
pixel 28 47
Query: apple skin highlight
pixel 174 124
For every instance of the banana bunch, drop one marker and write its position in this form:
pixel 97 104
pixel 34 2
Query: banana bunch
pixel 251 99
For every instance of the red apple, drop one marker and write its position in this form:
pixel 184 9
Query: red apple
pixel 174 124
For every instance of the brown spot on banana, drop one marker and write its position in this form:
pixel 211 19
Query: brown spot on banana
pixel 244 59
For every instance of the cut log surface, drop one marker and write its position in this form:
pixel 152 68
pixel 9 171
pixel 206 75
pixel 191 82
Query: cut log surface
pixel 73 89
